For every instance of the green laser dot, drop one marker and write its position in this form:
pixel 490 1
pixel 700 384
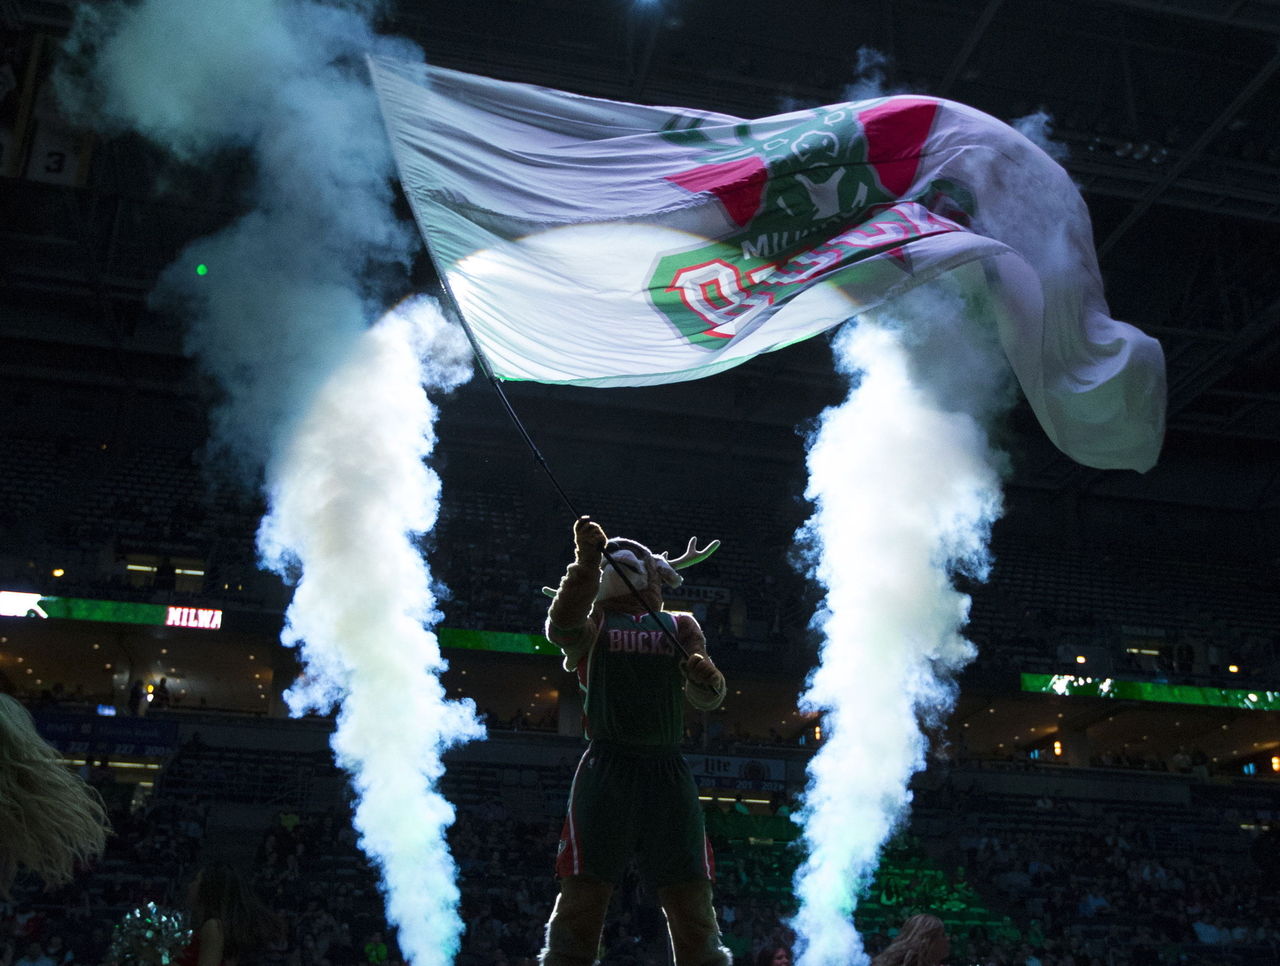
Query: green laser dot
pixel 202 269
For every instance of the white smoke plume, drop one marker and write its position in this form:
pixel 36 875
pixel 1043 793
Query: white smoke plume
pixel 869 78
pixel 278 86
pixel 906 486
pixel 332 409
pixel 868 83
pixel 348 495
pixel 1038 129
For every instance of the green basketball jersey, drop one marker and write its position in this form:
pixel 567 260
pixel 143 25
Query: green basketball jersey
pixel 633 686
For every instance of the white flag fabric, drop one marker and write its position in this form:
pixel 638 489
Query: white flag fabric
pixel 601 243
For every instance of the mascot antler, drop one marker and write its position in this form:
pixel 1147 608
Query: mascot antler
pixel 692 555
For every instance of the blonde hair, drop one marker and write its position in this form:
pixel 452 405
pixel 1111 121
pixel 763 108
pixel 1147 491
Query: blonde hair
pixel 919 943
pixel 50 820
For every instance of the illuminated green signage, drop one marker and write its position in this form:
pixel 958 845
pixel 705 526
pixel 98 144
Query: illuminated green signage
pixel 19 604
pixel 1078 685
pixel 495 641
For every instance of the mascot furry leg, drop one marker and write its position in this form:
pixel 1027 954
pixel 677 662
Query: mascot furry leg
pixel 691 920
pixel 573 931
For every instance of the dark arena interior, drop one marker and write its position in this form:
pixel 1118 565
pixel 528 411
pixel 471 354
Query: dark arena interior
pixel 1106 789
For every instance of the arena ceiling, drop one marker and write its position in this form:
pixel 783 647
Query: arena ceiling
pixel 1169 109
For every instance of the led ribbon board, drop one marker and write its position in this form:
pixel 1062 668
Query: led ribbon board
pixel 21 604
pixel 1075 685
pixel 473 640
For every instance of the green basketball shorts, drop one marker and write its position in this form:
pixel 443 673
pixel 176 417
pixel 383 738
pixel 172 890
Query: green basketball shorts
pixel 631 800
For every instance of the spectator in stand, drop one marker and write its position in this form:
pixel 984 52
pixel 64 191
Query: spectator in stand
pixel 137 698
pixel 773 955
pixel 228 919
pixel 922 941
pixel 1206 932
pixel 50 820
pixel 33 956
pixel 342 952
pixel 375 950
pixel 1092 903
pixel 56 949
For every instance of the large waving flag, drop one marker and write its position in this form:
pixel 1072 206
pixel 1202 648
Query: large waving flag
pixel 602 243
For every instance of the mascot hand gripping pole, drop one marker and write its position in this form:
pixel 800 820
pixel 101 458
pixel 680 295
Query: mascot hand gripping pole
pixel 633 793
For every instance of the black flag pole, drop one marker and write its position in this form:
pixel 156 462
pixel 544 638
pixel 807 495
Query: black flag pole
pixel 451 303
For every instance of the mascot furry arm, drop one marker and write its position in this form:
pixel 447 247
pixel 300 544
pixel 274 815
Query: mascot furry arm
pixel 587 592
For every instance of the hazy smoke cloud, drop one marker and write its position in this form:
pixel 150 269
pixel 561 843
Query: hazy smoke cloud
pixel 1038 129
pixel 349 493
pixel 279 86
pixel 869 82
pixel 906 487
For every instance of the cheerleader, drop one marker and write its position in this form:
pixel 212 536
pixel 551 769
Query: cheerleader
pixel 50 820
pixel 228 921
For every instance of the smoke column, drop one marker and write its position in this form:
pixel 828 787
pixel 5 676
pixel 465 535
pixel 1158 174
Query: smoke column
pixel 332 410
pixel 348 494
pixel 905 486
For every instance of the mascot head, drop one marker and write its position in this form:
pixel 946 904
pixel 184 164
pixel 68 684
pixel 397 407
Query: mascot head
pixel 646 571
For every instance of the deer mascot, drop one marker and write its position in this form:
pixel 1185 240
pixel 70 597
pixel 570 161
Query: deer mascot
pixel 633 792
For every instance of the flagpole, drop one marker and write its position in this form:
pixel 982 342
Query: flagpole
pixel 451 302
pixel 455 309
